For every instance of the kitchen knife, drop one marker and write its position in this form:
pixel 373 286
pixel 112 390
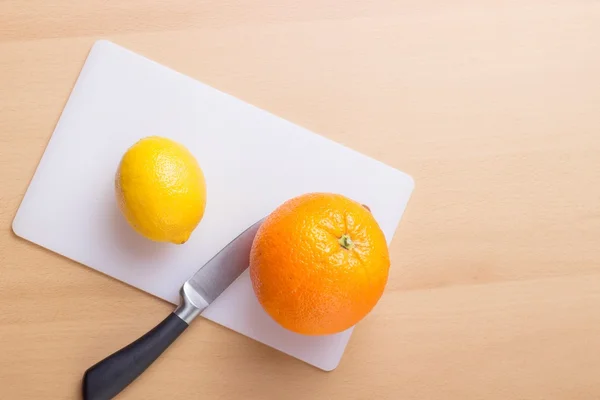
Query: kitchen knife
pixel 110 376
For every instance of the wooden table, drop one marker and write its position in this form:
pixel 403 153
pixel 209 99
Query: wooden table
pixel 493 107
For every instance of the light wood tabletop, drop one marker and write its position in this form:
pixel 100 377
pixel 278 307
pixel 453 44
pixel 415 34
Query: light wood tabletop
pixel 492 106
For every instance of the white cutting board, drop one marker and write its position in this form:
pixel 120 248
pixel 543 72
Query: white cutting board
pixel 253 161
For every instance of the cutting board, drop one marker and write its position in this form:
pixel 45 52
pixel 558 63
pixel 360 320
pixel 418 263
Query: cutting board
pixel 253 161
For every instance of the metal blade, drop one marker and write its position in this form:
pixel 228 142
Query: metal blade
pixel 221 270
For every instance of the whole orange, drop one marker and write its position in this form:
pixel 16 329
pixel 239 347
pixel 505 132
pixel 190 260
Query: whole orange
pixel 319 263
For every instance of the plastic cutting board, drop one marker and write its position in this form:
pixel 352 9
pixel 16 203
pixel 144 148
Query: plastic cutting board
pixel 253 161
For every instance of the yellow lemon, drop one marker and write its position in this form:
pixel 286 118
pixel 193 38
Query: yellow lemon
pixel 161 190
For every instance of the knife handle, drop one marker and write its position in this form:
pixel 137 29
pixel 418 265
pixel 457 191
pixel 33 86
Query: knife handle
pixel 110 376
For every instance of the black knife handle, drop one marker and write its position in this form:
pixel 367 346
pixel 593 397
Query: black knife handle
pixel 109 377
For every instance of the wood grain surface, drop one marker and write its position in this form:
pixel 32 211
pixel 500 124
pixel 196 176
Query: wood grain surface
pixel 492 106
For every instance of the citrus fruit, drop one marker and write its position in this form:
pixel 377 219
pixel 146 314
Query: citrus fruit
pixel 160 189
pixel 319 263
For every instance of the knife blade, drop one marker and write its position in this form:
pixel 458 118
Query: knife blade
pixel 107 378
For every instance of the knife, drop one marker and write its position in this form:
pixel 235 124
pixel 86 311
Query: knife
pixel 110 376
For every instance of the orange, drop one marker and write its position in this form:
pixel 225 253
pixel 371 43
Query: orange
pixel 319 263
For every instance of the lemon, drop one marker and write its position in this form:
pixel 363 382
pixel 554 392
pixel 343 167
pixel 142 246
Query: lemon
pixel 161 190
